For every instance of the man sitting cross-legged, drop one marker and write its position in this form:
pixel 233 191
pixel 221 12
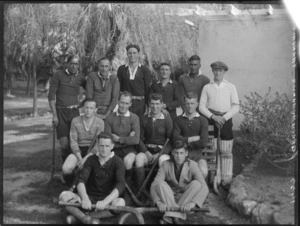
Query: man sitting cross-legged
pixel 125 129
pixel 83 130
pixel 156 128
pixel 192 128
pixel 178 183
pixel 101 180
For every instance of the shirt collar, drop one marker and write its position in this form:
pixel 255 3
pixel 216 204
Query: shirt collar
pixel 110 156
pixel 162 116
pixel 67 71
pixel 127 114
pixel 109 74
pixel 223 81
pixel 139 65
pixel 200 72
pixel 196 115
pixel 170 81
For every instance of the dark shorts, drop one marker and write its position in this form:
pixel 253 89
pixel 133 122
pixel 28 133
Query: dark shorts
pixel 226 131
pixel 122 152
pixel 65 116
pixel 138 107
pixel 102 110
pixel 84 150
pixel 167 150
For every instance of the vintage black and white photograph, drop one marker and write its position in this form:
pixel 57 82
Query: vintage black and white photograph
pixel 150 113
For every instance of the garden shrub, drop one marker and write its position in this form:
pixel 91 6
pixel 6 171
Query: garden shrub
pixel 267 119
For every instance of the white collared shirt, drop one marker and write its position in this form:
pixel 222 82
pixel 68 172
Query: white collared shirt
pixel 132 74
pixel 127 114
pixel 160 81
pixel 222 98
pixel 196 115
pixel 161 116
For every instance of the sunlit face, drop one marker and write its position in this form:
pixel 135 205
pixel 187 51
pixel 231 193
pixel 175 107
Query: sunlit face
pixel 155 106
pixel 165 71
pixel 133 55
pixel 89 109
pixel 124 104
pixel 218 74
pixel 179 155
pixel 191 105
pixel 104 67
pixel 105 146
pixel 73 66
pixel 194 66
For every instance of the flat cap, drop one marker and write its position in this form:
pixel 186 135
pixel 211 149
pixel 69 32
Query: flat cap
pixel 219 65
pixel 133 46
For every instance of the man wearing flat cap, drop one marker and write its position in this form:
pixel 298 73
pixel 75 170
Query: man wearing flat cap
pixel 219 102
pixel 136 79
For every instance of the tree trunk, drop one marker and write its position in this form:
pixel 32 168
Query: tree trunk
pixel 28 81
pixel 35 108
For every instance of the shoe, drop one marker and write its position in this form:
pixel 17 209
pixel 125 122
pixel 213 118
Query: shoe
pixel 177 220
pixel 95 221
pixel 162 221
pixel 71 219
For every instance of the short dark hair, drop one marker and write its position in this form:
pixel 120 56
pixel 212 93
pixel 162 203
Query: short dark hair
pixel 125 94
pixel 155 96
pixel 178 143
pixel 71 57
pixel 105 135
pixel 104 58
pixel 163 64
pixel 89 100
pixel 133 46
pixel 191 95
pixel 194 57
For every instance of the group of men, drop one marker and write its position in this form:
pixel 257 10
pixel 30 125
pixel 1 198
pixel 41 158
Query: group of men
pixel 129 120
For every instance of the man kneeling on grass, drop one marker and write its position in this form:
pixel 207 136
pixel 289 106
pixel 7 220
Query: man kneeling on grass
pixel 178 183
pixel 101 180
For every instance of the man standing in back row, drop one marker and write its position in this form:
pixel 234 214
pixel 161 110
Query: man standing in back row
pixel 103 86
pixel 63 100
pixel 194 81
pixel 219 103
pixel 136 79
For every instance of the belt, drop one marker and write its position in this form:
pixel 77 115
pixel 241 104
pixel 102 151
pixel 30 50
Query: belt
pixel 217 112
pixel 138 97
pixel 69 107
pixel 154 146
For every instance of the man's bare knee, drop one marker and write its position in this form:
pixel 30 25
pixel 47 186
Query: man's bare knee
pixel 129 160
pixel 118 202
pixel 140 160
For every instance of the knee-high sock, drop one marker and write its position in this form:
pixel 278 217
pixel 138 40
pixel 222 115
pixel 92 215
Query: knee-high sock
pixel 128 174
pixel 226 161
pixel 139 176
